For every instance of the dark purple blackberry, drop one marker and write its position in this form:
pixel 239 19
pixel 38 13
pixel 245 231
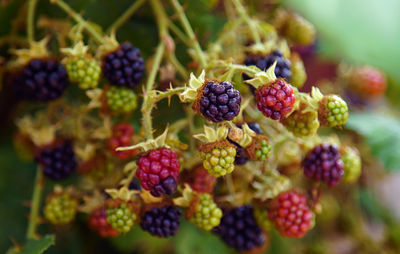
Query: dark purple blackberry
pixel 219 101
pixel 124 66
pixel 239 229
pixel 166 186
pixel 58 162
pixel 162 222
pixel 282 69
pixel 41 80
pixel 241 156
pixel 323 163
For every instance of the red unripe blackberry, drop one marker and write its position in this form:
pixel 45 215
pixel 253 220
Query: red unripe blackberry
pixel 323 163
pixel 98 222
pixel 162 222
pixel 239 229
pixel 275 100
pixel 158 171
pixel 218 101
pixel 58 162
pixel 201 181
pixel 124 66
pixel 368 81
pixel 282 69
pixel 41 80
pixel 121 136
pixel 290 214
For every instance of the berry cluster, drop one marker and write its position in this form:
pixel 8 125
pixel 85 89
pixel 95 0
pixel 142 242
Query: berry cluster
pixel 60 208
pixel 239 229
pixel 121 215
pixel 220 159
pixel 58 162
pixel 206 214
pixel 162 222
pixel 122 134
pixel 158 171
pixel 121 99
pixel 84 71
pixel 290 214
pixel 98 222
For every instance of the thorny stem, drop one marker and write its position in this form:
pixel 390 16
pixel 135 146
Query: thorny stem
pixel 35 204
pixel 79 19
pixel 30 24
pixel 125 16
pixel 253 29
pixel 189 31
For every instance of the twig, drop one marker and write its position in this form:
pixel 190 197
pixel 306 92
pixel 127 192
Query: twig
pixel 125 16
pixel 30 24
pixel 253 29
pixel 35 204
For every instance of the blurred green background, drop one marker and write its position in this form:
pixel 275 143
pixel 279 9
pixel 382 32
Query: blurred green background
pixel 356 31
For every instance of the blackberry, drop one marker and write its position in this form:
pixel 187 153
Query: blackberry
pixel 352 164
pixel 241 155
pixel 121 215
pixel 323 163
pixel 333 111
pixel 239 229
pixel 276 99
pixel 291 215
pixel 122 134
pixel 124 66
pixel 302 123
pixel 368 82
pixel 299 75
pixel 83 70
pixel 158 171
pixel 299 30
pixel 218 102
pixel 218 157
pixel 58 162
pixel 204 213
pixel 121 99
pixel 60 208
pixel 282 69
pixel 201 181
pixel 41 80
pixel 264 151
pixel 162 222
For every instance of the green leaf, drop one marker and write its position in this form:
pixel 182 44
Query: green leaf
pixel 35 246
pixel 382 133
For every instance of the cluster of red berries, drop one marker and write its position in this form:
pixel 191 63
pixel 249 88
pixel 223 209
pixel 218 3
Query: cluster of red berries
pixel 121 136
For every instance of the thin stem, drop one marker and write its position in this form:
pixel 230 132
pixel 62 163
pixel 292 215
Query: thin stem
pixel 179 33
pixel 79 19
pixel 253 29
pixel 189 31
pixel 179 67
pixel 30 24
pixel 126 15
pixel 35 204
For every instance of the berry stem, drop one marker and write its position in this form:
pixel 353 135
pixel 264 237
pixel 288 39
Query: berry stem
pixel 35 204
pixel 189 31
pixel 125 16
pixel 63 5
pixel 179 33
pixel 30 24
pixel 253 29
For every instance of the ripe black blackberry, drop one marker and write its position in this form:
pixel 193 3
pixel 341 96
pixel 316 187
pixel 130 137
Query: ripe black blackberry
pixel 218 101
pixel 239 229
pixel 58 162
pixel 282 69
pixel 41 79
pixel 323 163
pixel 124 66
pixel 162 222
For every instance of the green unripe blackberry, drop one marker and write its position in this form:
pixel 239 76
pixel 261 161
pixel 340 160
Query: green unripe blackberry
pixel 83 70
pixel 262 218
pixel 299 30
pixel 352 164
pixel 121 215
pixel 302 123
pixel 333 111
pixel 121 99
pixel 218 157
pixel 60 208
pixel 299 75
pixel 204 212
pixel 264 151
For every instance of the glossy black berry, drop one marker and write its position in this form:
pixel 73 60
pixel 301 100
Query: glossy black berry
pixel 219 101
pixel 41 80
pixel 239 229
pixel 162 222
pixel 282 69
pixel 58 162
pixel 124 66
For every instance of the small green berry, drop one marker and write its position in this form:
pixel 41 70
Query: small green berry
pixel 122 217
pixel 121 99
pixel 84 71
pixel 207 215
pixel 219 161
pixel 302 123
pixel 352 164
pixel 60 208
pixel 333 111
